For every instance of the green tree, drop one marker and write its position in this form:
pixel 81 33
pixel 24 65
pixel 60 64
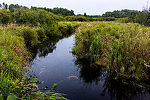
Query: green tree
pixel 121 14
pixel 57 11
pixel 143 18
pixel 11 7
pixel 5 16
pixel 85 14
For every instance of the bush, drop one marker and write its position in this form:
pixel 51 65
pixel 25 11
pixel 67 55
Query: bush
pixel 127 20
pixel 30 37
pixel 41 33
pixel 67 28
pixel 143 18
pixel 76 18
pixel 103 19
pixel 33 17
pixel 5 16
pixel 84 19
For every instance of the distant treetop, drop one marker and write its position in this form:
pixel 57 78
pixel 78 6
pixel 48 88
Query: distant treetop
pixel 57 11
pixel 121 13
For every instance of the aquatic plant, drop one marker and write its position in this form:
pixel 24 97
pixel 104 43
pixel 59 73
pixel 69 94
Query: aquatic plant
pixel 122 48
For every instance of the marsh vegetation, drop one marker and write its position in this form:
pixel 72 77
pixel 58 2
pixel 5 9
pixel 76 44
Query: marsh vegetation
pixel 113 47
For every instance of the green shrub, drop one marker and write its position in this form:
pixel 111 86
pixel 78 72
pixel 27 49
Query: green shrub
pixel 30 36
pixel 127 20
pixel 143 18
pixel 103 19
pixel 33 17
pixel 41 33
pixel 5 16
pixel 85 19
pixel 67 28
pixel 77 18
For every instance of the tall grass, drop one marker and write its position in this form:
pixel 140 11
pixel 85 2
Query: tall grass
pixel 15 44
pixel 122 48
pixel 13 52
pixel 13 57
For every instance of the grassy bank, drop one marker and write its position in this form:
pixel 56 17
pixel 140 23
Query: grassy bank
pixel 15 45
pixel 67 28
pixel 122 48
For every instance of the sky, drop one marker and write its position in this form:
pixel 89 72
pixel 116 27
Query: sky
pixel 90 7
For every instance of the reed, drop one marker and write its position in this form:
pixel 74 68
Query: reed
pixel 122 48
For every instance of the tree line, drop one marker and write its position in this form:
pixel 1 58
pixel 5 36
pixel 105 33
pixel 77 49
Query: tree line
pixel 121 13
pixel 57 11
pixel 19 14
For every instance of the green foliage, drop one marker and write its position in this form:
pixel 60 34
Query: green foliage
pixel 63 11
pixel 127 20
pixel 143 18
pixel 121 14
pixel 23 15
pixel 14 58
pixel 30 36
pixel 11 7
pixel 11 97
pixel 35 25
pixel 76 18
pixel 124 47
pixel 33 17
pixel 58 11
pixel 13 53
pixel 103 19
pixel 1 97
pixel 46 20
pixel 52 30
pixel 67 28
pixel 85 19
pixel 5 16
pixel 41 33
pixel 54 86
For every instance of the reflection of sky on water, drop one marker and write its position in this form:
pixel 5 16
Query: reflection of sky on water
pixel 76 78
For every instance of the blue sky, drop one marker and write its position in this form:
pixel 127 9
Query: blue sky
pixel 93 7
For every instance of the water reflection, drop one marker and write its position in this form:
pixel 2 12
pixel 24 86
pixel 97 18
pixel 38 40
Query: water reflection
pixel 45 47
pixel 88 74
pixel 56 66
pixel 115 88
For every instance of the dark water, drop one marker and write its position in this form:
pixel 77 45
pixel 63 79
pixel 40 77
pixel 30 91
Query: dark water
pixel 53 63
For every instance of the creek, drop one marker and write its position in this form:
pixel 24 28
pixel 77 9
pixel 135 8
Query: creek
pixel 54 63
